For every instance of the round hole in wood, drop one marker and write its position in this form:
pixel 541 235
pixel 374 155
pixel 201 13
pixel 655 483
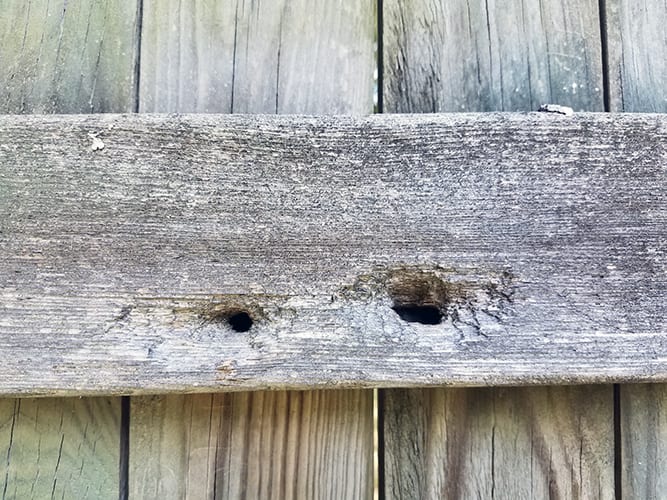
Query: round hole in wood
pixel 418 297
pixel 240 321
pixel 416 313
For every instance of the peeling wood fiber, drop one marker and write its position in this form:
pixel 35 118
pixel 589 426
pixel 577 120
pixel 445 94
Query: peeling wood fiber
pixel 540 239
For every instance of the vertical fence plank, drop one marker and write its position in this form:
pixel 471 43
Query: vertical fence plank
pixel 64 57
pixel 502 443
pixel 465 55
pixel 644 445
pixel 67 57
pixel 247 57
pixel 234 56
pixel 505 442
pixel 310 444
pixel 637 53
pixel 59 448
pixel 637 48
pixel 175 438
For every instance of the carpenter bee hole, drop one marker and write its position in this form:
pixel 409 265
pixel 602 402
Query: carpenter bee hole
pixel 418 297
pixel 240 321
pixel 415 313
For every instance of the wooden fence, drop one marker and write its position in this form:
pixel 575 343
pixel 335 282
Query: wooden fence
pixel 87 201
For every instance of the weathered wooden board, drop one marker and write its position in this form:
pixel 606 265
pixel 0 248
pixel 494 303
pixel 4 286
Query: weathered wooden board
pixel 296 57
pixel 637 72
pixel 68 57
pixel 64 57
pixel 312 444
pixel 251 57
pixel 535 240
pixel 637 48
pixel 464 55
pixel 502 443
pixel 59 448
pixel 644 444
pixel 499 443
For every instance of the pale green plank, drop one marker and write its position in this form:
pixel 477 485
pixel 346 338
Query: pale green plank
pixel 59 448
pixel 69 56
pixel 64 57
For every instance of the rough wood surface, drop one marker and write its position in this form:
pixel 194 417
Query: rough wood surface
pixel 63 57
pixel 499 443
pixel 644 444
pixel 637 42
pixel 313 444
pixel 637 72
pixel 249 57
pixel 536 240
pixel 59 448
pixel 279 56
pixel 495 443
pixel 67 57
pixel 464 55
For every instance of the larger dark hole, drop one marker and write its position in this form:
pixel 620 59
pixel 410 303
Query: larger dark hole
pixel 240 321
pixel 424 314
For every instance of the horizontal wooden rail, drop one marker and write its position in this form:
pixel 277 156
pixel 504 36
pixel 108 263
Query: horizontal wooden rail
pixel 192 253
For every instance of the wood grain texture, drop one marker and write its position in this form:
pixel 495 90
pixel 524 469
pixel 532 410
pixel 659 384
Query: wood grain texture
pixel 468 55
pixel 637 42
pixel 637 72
pixel 269 57
pixel 59 448
pixel 313 444
pixel 644 445
pixel 499 443
pixel 538 239
pixel 495 443
pixel 251 57
pixel 67 56
pixel 63 57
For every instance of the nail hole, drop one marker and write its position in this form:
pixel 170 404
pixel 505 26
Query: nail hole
pixel 240 321
pixel 413 313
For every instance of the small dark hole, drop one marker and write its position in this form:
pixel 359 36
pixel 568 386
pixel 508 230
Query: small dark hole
pixel 240 322
pixel 412 313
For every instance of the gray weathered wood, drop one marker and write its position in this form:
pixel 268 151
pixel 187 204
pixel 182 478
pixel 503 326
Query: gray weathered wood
pixel 59 448
pixel 249 57
pixel 644 444
pixel 67 57
pixel 277 56
pixel 537 237
pixel 637 74
pixel 637 42
pixel 314 444
pixel 499 443
pixel 63 57
pixel 495 443
pixel 467 55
